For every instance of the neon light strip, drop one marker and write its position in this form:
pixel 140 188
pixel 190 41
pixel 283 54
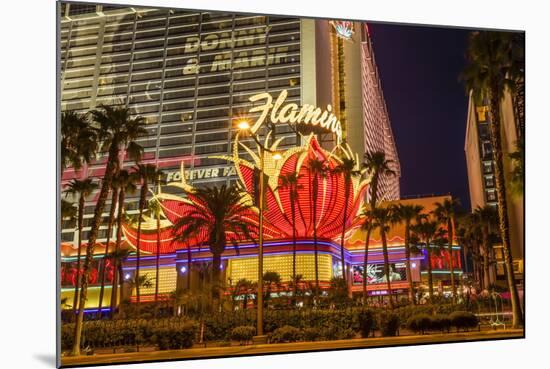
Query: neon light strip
pixel 442 272
pixel 149 267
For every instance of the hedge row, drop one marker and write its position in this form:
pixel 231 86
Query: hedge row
pixel 421 323
pixel 171 334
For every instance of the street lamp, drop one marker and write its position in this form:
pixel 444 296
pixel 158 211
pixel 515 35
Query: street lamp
pixel 244 126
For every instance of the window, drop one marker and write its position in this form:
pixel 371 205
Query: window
pixel 491 195
pixel 489 181
pixel 487 167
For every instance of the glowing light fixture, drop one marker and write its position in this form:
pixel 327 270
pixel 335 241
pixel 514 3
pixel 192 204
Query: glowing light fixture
pixel 183 269
pixel 277 156
pixel 243 125
pixel 127 276
pixel 413 265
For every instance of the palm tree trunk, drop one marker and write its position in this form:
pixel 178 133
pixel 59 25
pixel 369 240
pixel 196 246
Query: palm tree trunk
pixel 117 277
pixel 142 199
pixel 365 263
pixel 346 197
pixel 157 265
pixel 503 206
pixel 96 222
pixel 293 211
pixel 408 257
pixel 79 252
pixel 315 246
pixel 451 260
pixel 386 264
pixel 430 276
pixel 109 230
pixel 216 264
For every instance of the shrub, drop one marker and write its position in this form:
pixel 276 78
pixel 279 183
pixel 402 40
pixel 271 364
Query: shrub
pixel 311 334
pixel 367 322
pixel 464 320
pixel 419 323
pixel 285 334
pixel 389 324
pixel 441 323
pixel 174 337
pixel 243 333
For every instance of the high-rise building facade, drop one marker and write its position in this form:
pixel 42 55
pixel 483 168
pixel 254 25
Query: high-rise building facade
pixel 190 75
pixel 481 168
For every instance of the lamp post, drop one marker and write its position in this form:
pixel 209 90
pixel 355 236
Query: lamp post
pixel 244 126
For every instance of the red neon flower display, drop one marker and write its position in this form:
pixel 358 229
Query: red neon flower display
pixel 277 215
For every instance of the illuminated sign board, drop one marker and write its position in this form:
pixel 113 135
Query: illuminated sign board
pixel 292 113
pixel 200 173
pixel 375 273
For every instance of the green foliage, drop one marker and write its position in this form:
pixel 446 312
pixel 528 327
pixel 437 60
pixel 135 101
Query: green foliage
pixel 440 322
pixel 419 323
pixel 166 333
pixel 175 337
pixel 463 320
pixel 311 334
pixel 243 333
pixel 286 333
pixel 389 324
pixel 367 322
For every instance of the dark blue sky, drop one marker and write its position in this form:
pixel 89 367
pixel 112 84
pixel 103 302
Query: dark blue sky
pixel 419 69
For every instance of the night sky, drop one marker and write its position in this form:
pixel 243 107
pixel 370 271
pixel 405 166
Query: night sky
pixel 427 105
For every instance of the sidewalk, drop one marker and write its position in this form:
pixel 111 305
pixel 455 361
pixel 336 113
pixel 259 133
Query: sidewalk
pixel 217 352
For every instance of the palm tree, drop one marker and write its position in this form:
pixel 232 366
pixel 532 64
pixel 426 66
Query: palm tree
pixel 156 211
pixel 495 65
pixel 117 257
pixel 382 218
pixel 317 168
pixel 470 236
pixel 271 279
pixel 110 222
pixel 215 211
pixel 146 173
pixel 125 182
pixel 427 230
pixel 290 181
pixel 348 169
pixel 79 141
pixel 445 213
pixel 487 218
pixel 378 167
pixel 518 172
pixel 81 189
pixel 118 131
pixel 68 210
pixel 407 214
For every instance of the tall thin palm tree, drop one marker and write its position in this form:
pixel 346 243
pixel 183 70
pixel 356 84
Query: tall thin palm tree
pixel 216 211
pixel 487 218
pixel 469 235
pixel 382 219
pixel 80 189
pixel 378 167
pixel 79 141
pixel 146 173
pixel 445 212
pixel 118 131
pixel 316 171
pixel 496 64
pixel 408 214
pixel 110 222
pixel 290 181
pixel 348 169
pixel 427 230
pixel 126 183
pixel 156 211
